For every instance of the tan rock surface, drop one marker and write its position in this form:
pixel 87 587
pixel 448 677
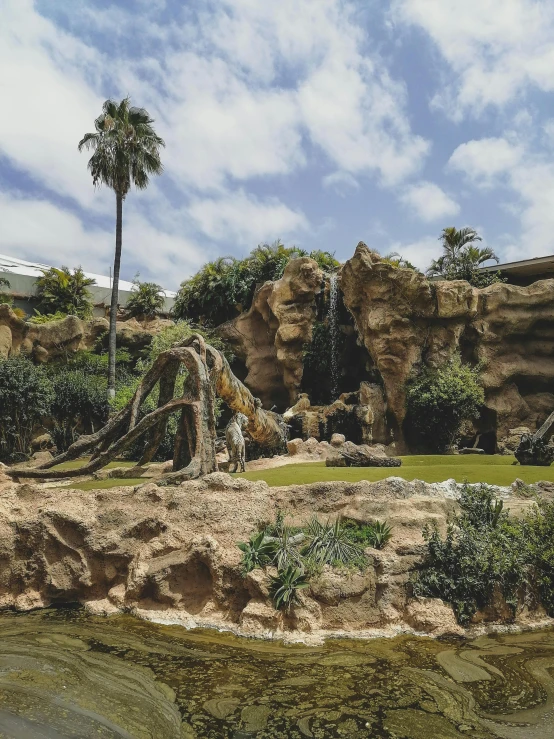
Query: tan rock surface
pixel 270 336
pixel 171 552
pixel 404 319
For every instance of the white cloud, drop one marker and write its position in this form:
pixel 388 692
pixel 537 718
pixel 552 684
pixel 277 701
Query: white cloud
pixel 241 218
pixel 38 230
pixel 340 182
pixel 527 175
pixel 495 48
pixel 429 201
pixel 419 252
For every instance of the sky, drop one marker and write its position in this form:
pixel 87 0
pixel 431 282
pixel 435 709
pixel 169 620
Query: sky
pixel 319 122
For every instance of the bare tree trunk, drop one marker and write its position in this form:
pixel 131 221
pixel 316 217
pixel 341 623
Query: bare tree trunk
pixel 115 295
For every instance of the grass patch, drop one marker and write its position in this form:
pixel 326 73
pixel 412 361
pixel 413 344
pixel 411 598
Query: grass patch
pixel 493 470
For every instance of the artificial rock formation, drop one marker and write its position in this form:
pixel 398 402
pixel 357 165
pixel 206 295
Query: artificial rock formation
pixel 45 341
pixel 405 320
pixel 270 337
pixel 170 552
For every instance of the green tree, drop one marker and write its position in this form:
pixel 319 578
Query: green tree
pixel 126 152
pixel 64 292
pixel 146 300
pixel 439 400
pixel 25 399
pixel 461 258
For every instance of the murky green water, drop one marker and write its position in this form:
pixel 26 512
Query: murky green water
pixel 67 674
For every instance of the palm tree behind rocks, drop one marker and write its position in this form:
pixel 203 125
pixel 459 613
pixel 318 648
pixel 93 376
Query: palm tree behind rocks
pixel 126 152
pixel 461 258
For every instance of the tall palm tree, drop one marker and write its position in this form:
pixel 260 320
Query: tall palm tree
pixel 126 152
pixel 460 257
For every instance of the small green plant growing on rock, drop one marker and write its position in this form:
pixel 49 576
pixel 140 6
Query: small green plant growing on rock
pixel 331 544
pixel 257 552
pixel 374 534
pixel 286 585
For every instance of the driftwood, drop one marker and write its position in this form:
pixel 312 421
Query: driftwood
pixel 208 375
pixel 534 449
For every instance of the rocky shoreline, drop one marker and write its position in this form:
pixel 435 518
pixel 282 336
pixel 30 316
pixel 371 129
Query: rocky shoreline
pixel 170 554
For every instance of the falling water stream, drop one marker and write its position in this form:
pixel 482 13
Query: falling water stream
pixel 65 674
pixel 333 319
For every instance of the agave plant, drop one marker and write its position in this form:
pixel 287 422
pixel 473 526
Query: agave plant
pixel 285 548
pixel 286 585
pixel 257 552
pixel 330 543
pixel 381 534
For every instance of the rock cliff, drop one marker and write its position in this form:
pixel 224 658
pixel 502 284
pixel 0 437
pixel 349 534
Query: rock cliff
pixel 171 552
pixel 269 337
pixel 405 320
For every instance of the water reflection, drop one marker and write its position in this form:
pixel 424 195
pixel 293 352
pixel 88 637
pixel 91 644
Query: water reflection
pixel 68 674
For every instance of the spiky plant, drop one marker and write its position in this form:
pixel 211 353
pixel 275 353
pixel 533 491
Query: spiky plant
pixel 381 534
pixel 286 585
pixel 257 552
pixel 330 543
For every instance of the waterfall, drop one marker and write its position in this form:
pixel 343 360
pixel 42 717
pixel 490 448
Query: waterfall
pixel 333 319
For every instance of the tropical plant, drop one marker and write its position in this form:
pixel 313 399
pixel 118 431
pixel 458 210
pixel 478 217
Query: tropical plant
pixel 126 152
pixel 483 549
pixel 79 405
pixel 439 400
pixel 381 534
pixel 286 585
pixel 225 287
pixel 39 318
pixel 397 260
pixel 64 292
pixel 146 299
pixel 257 552
pixel 25 399
pixel 330 543
pixel 4 297
pixel 461 259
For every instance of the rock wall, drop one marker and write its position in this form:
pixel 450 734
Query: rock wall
pixel 269 337
pixel 405 320
pixel 45 341
pixel 171 552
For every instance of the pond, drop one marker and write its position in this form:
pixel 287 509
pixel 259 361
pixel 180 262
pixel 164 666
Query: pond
pixel 64 673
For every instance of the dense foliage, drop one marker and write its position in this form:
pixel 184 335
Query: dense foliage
pixel 439 400
pixel 225 287
pixel 25 398
pixel 461 259
pixel 146 300
pixel 486 550
pixel 60 291
pixel 300 552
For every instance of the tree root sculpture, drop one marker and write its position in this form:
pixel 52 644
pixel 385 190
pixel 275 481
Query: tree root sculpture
pixel 208 376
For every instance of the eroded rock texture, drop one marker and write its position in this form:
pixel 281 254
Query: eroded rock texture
pixel 45 341
pixel 269 338
pixel 405 320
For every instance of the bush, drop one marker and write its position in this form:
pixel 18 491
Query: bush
pixel 25 399
pixel 65 292
pixel 79 405
pixel 39 318
pixel 483 549
pixel 146 300
pixel 224 288
pixel 439 401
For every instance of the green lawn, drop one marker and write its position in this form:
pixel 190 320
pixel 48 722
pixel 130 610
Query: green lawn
pixel 495 470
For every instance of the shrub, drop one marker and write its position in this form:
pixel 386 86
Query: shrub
pixel 483 549
pixel 286 585
pixel 146 300
pixel 374 534
pixel 39 318
pixel 79 405
pixel 331 544
pixel 439 400
pixel 65 292
pixel 25 399
pixel 538 535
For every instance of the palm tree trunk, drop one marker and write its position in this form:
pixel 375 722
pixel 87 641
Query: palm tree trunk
pixel 115 296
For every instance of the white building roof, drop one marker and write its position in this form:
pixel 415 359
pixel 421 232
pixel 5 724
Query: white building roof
pixel 34 269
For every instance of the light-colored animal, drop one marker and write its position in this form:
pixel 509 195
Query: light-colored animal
pixel 235 442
